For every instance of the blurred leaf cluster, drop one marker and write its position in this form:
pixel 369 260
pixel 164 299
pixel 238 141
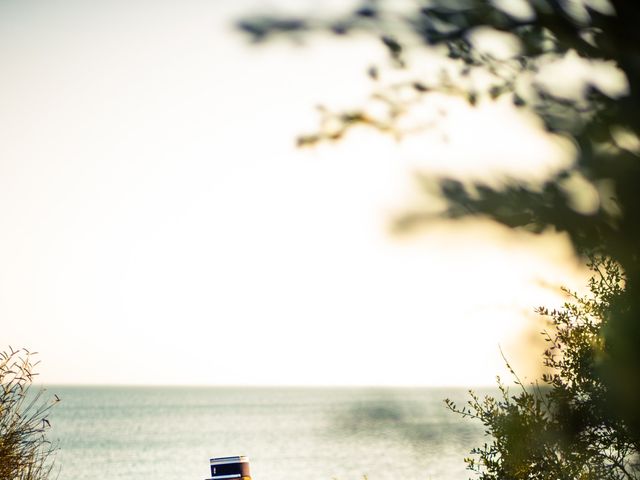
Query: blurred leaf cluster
pixel 599 115
pixel 25 451
pixel 602 121
pixel 560 427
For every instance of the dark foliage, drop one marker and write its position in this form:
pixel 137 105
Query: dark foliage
pixel 560 428
pixel 603 125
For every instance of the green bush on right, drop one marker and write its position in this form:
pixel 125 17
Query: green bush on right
pixel 563 427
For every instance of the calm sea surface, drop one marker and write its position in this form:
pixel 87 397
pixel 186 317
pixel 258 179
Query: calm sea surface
pixel 287 433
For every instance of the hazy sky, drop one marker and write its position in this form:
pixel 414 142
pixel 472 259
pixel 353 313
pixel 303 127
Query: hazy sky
pixel 159 226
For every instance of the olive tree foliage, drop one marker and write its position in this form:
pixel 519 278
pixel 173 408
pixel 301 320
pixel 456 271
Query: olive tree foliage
pixel 602 123
pixel 560 427
pixel 25 451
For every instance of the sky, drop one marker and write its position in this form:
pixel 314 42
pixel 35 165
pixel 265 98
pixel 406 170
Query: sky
pixel 159 225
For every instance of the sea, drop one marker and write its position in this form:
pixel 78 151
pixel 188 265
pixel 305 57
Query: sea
pixel 170 433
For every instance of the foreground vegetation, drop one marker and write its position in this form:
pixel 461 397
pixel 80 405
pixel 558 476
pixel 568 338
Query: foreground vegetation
pixel 561 427
pixel 583 420
pixel 25 451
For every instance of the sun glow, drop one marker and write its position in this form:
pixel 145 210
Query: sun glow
pixel 161 228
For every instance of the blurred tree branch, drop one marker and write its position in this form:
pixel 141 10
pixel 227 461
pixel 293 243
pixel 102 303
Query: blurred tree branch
pixel 603 124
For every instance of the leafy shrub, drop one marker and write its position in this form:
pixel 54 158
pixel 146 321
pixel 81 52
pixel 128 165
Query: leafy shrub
pixel 563 427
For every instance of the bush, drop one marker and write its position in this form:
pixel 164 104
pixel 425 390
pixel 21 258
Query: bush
pixel 25 452
pixel 562 427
